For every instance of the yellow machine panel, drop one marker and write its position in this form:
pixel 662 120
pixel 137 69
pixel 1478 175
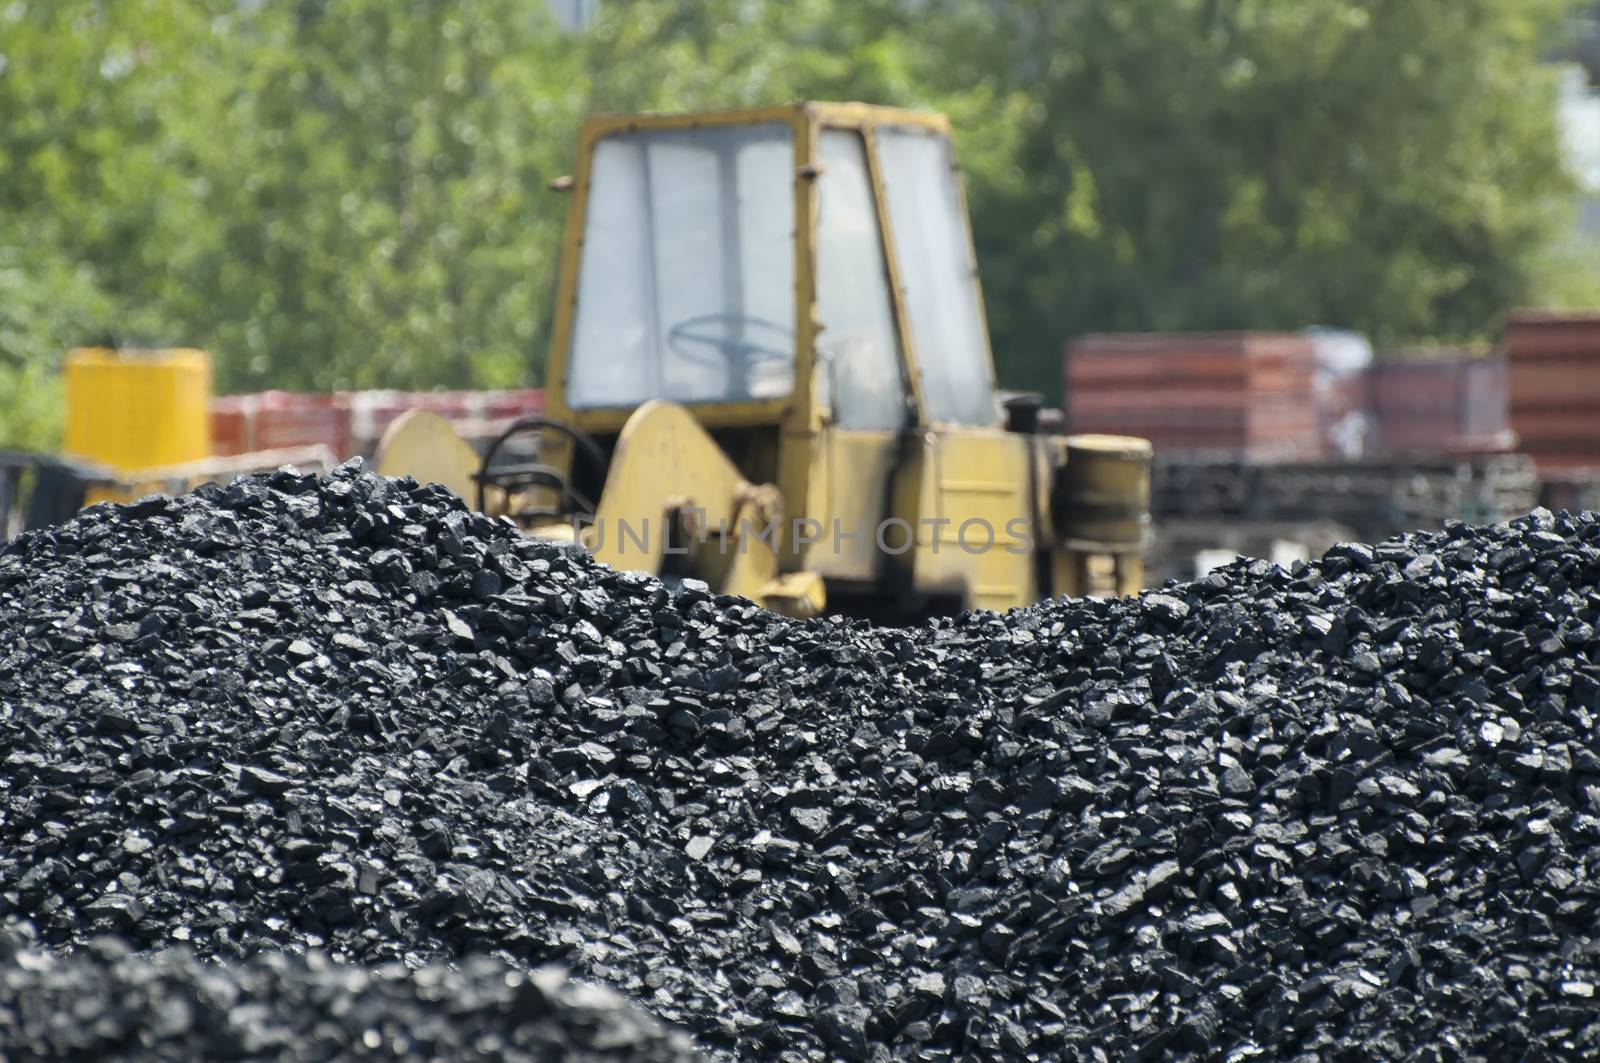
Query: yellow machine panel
pixel 422 444
pixel 137 423
pixel 133 410
pixel 980 534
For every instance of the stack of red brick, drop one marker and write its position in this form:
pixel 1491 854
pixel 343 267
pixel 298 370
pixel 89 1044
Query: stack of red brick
pixel 1277 396
pixel 1250 393
pixel 1438 402
pixel 352 422
pixel 1554 362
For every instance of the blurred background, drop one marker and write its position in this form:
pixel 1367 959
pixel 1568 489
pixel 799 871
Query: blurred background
pixel 353 194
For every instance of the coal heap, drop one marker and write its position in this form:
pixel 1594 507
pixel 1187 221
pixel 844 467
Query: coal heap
pixel 1351 808
pixel 105 1003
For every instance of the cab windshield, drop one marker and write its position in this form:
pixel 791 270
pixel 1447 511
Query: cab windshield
pixel 686 281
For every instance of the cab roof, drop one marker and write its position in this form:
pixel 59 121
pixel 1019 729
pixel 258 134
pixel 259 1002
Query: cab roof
pixel 853 115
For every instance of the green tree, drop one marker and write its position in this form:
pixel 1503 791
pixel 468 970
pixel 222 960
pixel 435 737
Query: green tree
pixel 377 176
pixel 353 192
pixel 46 306
pixel 79 136
pixel 1388 167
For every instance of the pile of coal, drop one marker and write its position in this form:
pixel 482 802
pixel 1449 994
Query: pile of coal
pixel 1352 808
pixel 106 1003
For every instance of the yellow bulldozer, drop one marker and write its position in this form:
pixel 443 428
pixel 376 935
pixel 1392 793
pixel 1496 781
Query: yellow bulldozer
pixel 770 371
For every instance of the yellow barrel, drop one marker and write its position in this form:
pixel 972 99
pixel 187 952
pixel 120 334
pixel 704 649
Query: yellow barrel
pixel 136 410
pixel 1102 496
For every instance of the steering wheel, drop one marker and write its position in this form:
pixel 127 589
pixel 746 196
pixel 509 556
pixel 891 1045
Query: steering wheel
pixel 520 477
pixel 693 340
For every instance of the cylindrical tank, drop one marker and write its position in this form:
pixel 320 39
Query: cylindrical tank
pixel 1102 492
pixel 135 410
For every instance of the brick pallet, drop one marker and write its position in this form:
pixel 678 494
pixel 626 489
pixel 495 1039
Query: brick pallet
pixel 1554 381
pixel 1249 392
pixel 351 423
pixel 1439 403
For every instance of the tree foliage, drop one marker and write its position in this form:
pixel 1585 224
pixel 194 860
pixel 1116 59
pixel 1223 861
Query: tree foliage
pixel 1388 167
pixel 353 192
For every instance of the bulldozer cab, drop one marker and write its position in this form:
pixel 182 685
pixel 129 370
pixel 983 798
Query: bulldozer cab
pixel 771 319
pixel 782 267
